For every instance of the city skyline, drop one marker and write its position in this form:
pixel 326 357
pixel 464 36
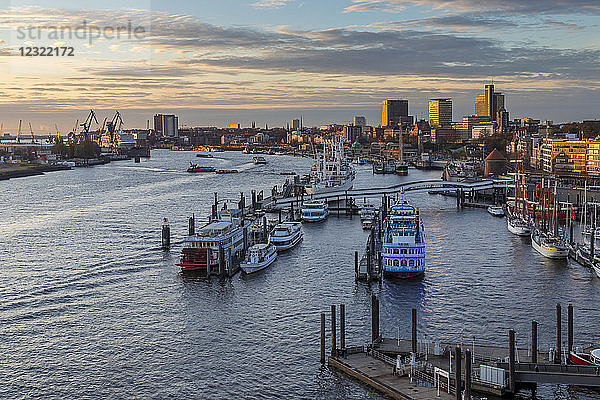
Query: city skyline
pixel 277 60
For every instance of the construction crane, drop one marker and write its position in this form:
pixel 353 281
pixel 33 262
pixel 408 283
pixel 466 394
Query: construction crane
pixel 88 123
pixel 19 132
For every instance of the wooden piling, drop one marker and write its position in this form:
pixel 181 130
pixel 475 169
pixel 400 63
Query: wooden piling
pixel 468 375
pixel 569 332
pixel 342 327
pixel 356 270
pixel 534 342
pixel 458 372
pixel 511 361
pixel 166 235
pixel 191 226
pixel 557 353
pixel 414 330
pixel 322 338
pixel 333 333
pixel 265 236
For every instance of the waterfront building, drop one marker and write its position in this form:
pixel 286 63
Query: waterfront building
pixel 166 125
pixel 495 163
pixel 481 130
pixel 573 155
pixel 395 112
pixel 440 112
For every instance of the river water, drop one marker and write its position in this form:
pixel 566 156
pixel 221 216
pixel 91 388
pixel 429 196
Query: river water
pixel 93 308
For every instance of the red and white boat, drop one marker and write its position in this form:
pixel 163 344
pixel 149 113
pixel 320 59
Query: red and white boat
pixel 592 359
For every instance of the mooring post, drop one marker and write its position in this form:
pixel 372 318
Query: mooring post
pixel 414 330
pixel 253 200
pixel 191 226
pixel 338 206
pixel 468 375
pixel 356 271
pixel 534 344
pixel 458 372
pixel 265 236
pixel 333 331
pixel 511 360
pixel 457 199
pixel 322 338
pixel 166 234
pixel 342 327
pixel 557 353
pixel 569 332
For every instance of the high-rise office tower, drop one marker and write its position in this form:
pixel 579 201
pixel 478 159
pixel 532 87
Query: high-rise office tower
pixel 440 112
pixel 166 125
pixel 489 102
pixel 394 112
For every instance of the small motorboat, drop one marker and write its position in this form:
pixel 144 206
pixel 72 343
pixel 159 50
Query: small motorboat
pixel 517 226
pixel 592 359
pixel 288 173
pixel 259 257
pixel 496 211
pixel 196 168
pixel 227 171
pixel 259 160
pixel 204 155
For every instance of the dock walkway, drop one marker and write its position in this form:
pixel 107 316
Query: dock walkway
pixel 379 375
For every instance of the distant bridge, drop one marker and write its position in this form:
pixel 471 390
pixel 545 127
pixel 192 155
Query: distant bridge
pixel 412 187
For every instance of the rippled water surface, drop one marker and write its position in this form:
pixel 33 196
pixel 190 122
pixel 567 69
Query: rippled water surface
pixel 92 308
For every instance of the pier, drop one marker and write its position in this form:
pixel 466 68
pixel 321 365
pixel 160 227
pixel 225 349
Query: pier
pixel 413 369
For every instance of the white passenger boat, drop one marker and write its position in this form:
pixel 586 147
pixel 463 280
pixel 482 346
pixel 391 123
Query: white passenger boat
pixel 517 226
pixel 596 267
pixel 548 246
pixel 259 257
pixel 367 214
pixel 403 249
pixel 286 235
pixel 331 171
pixel 315 211
pixel 496 211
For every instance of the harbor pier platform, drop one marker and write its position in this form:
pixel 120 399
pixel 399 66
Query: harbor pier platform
pixel 410 369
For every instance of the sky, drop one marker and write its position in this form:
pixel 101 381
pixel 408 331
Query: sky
pixel 269 61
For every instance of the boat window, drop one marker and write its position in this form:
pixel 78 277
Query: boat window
pixel 403 251
pixel 411 263
pixel 395 263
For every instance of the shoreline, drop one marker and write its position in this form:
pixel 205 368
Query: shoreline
pixel 30 170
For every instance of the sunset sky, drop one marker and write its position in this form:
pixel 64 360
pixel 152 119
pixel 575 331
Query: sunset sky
pixel 269 61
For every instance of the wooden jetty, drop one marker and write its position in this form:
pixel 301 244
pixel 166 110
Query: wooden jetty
pixel 415 370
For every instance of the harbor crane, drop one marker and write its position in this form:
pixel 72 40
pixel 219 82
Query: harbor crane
pixel 19 132
pixel 88 123
pixel 31 131
pixel 114 125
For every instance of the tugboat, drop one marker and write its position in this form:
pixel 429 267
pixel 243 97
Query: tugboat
pixel 403 250
pixel 227 171
pixel 315 211
pixel 195 168
pixel 259 257
pixel 402 169
pixel 286 235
